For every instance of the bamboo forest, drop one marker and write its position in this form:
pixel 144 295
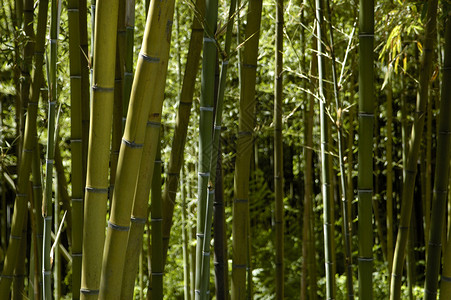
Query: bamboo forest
pixel 235 149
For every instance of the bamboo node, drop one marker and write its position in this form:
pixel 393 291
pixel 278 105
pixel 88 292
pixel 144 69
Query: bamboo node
pixel 204 253
pixel 187 103
pixel 237 200
pixel 77 254
pixel 234 266
pixel 200 235
pixel 72 10
pixel 204 174
pixel 153 124
pixel 138 220
pixel 249 66
pixel 6 276
pixel 96 190
pixel 206 108
pixel 97 88
pixel 157 273
pixel 209 40
pixel 21 195
pixel 15 237
pixel 131 144
pixel 89 291
pixel 225 62
pixel 446 278
pixel 365 191
pixel 75 76
pixel 118 227
pixel 149 58
pixel 365 259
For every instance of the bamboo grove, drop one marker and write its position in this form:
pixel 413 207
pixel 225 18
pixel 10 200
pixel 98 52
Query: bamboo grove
pixel 169 149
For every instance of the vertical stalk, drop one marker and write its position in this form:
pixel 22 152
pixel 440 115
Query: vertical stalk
pixel 365 146
pixel 85 92
pixel 144 108
pixel 328 237
pixel 96 192
pixel 183 114
pixel 157 240
pixel 185 244
pixel 56 257
pixel 413 149
pixel 20 206
pixel 206 147
pixel 47 203
pixel 278 151
pixel 441 183
pixel 240 208
pixel 389 172
pixel 128 61
pixel 75 63
pixel 344 194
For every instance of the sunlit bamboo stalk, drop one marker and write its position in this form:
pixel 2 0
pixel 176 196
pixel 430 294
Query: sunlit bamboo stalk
pixel 96 192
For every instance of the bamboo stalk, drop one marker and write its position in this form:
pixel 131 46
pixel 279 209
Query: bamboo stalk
pixel 157 237
pixel 128 59
pixel 278 151
pixel 75 58
pixel 240 208
pixel 328 236
pixel 183 114
pixel 441 182
pixel 413 150
pixel 47 205
pixel 144 106
pixel 96 192
pixel 20 206
pixel 365 146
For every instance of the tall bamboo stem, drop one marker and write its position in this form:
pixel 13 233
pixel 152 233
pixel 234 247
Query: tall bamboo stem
pixel 20 206
pixel 96 192
pixel 183 114
pixel 240 208
pixel 441 182
pixel 365 144
pixel 413 149
pixel 278 151
pixel 75 58
pixel 143 107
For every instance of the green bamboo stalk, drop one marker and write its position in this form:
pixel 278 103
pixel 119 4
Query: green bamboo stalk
pixel 56 257
pixel 413 149
pixel 206 146
pixel 344 194
pixel 144 106
pixel 183 114
pixel 365 146
pixel 278 151
pixel 85 92
pixel 220 244
pixel 47 204
pixel 96 192
pixel 75 58
pixel 157 233
pixel 63 193
pixel 19 271
pixel 139 213
pixel 26 62
pixel 128 60
pixel 389 172
pixel 37 217
pixel 240 208
pixel 328 237
pixel 441 183
pixel 185 245
pixel 118 94
pixel 20 206
pixel 208 48
pixel 427 199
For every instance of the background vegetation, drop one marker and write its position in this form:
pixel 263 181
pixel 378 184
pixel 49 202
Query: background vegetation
pixel 407 102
